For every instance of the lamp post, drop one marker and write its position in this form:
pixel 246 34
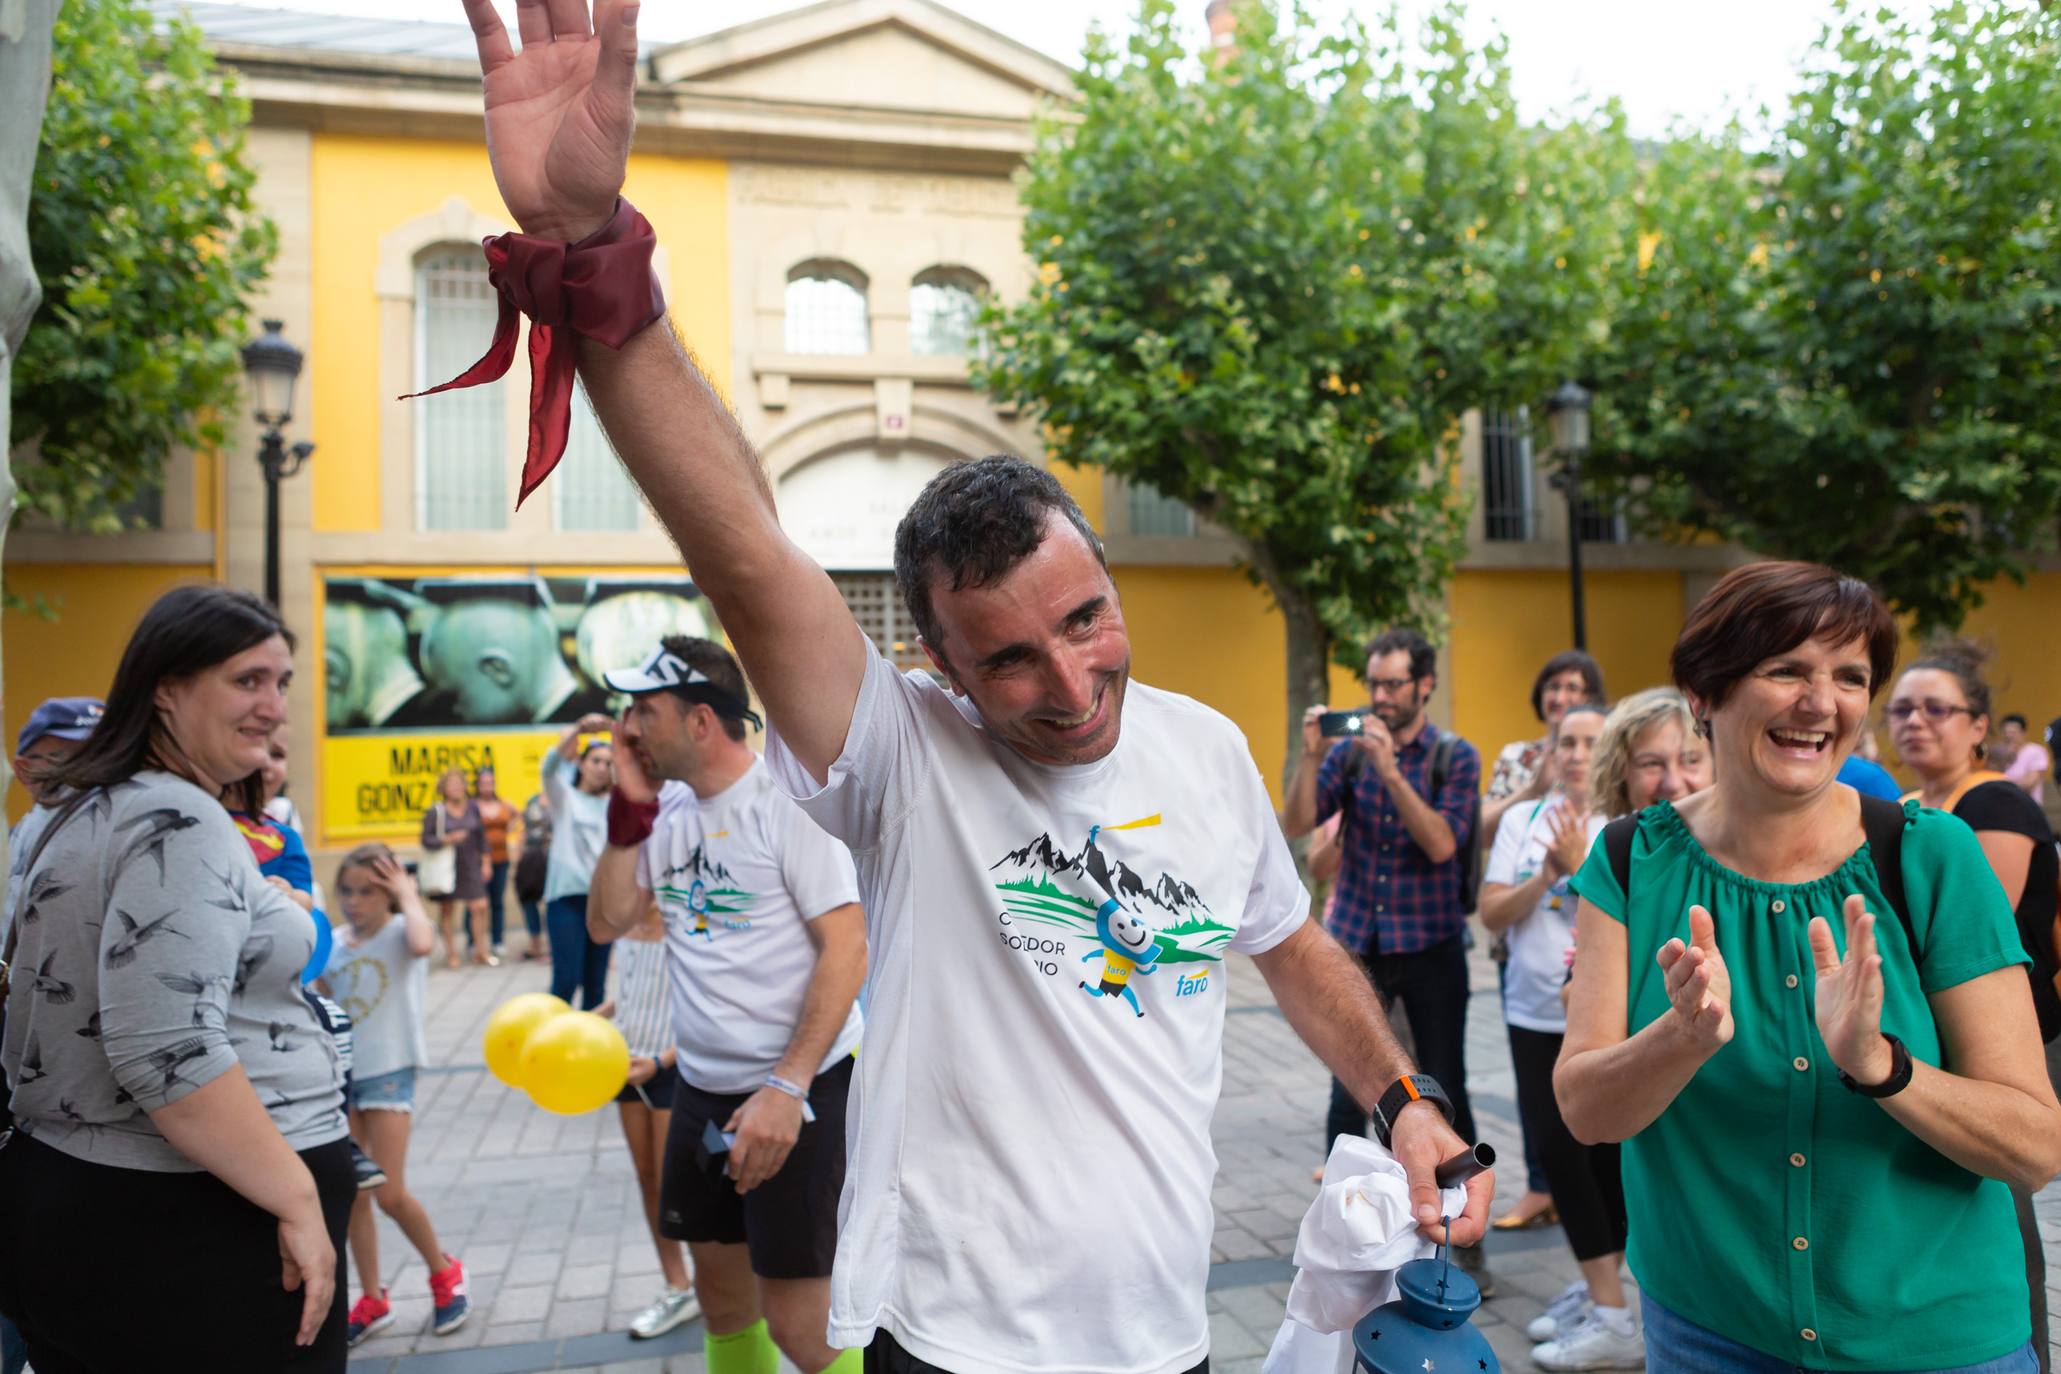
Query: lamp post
pixel 273 366
pixel 1567 411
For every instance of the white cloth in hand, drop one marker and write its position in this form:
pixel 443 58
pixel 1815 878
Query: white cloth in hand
pixel 1354 1237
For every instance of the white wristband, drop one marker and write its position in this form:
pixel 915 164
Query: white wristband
pixel 793 1090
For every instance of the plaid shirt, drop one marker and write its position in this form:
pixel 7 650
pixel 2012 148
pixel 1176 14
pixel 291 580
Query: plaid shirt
pixel 1390 897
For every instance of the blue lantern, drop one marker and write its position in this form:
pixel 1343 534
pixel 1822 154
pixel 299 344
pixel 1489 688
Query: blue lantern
pixel 1425 1330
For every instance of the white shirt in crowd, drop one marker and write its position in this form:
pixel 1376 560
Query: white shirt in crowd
pixel 1538 942
pixel 1028 1187
pixel 579 829
pixel 738 876
pixel 382 986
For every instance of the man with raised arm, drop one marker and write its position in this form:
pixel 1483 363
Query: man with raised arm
pixel 1053 859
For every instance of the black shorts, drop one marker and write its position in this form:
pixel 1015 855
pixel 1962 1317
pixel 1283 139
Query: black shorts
pixel 658 1093
pixel 790 1220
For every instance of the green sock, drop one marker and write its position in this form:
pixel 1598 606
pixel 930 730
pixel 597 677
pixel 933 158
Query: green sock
pixel 750 1351
pixel 847 1362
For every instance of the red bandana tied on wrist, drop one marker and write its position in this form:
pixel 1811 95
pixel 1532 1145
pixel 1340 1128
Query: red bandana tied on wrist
pixel 602 287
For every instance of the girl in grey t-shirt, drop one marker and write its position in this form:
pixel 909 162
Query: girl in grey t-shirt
pixel 379 973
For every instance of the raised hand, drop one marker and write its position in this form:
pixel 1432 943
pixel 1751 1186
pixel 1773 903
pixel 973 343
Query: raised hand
pixel 1312 733
pixel 1849 995
pixel 630 778
pixel 1698 983
pixel 560 112
pixel 1567 844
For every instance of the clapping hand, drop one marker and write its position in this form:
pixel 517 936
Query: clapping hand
pixel 559 112
pixel 1698 983
pixel 1849 995
pixel 1567 841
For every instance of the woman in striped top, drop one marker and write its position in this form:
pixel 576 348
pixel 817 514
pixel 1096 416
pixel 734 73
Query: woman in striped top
pixel 643 1012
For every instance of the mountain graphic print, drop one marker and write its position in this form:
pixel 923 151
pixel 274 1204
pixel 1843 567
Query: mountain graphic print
pixel 1043 884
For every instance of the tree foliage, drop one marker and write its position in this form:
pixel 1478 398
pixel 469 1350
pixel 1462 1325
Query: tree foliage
pixel 1271 290
pixel 1847 347
pixel 147 246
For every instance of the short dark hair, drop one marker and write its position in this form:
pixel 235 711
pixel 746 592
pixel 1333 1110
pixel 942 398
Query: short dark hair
pixel 1567 661
pixel 2015 719
pixel 186 631
pixel 972 524
pixel 1763 609
pixel 718 665
pixel 1962 660
pixel 1423 658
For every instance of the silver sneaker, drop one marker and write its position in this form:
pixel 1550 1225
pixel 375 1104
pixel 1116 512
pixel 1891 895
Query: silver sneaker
pixel 1590 1344
pixel 1561 1313
pixel 671 1308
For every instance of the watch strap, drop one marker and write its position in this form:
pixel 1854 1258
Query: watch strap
pixel 1411 1087
pixel 1900 1070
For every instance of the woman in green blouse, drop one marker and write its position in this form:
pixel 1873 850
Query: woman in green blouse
pixel 1820 1110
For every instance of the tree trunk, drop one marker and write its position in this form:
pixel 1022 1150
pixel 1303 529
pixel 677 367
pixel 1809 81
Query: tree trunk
pixel 1309 650
pixel 24 87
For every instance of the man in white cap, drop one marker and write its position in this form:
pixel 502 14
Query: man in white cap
pixel 765 949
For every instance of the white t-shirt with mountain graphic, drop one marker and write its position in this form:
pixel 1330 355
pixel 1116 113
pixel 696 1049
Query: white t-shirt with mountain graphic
pixel 1028 1188
pixel 738 876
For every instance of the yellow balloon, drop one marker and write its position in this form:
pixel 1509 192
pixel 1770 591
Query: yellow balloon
pixel 575 1063
pixel 510 1026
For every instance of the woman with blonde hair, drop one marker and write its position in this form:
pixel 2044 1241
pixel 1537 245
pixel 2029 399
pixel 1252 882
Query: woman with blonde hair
pixel 1648 751
pixel 454 866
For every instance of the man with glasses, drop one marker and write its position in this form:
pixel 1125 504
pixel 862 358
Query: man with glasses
pixel 1409 795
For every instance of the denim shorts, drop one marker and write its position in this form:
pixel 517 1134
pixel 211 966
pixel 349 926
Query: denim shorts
pixel 386 1092
pixel 1676 1345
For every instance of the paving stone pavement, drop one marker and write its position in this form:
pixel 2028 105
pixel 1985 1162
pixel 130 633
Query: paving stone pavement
pixel 544 1209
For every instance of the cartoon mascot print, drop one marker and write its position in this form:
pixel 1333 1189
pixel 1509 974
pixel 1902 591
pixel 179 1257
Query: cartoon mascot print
pixel 1127 944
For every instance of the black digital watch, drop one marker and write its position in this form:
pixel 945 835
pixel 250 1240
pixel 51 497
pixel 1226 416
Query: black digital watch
pixel 1415 1087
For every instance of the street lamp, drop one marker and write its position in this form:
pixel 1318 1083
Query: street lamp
pixel 1567 412
pixel 273 366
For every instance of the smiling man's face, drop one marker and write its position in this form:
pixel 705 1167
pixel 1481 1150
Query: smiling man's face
pixel 1042 651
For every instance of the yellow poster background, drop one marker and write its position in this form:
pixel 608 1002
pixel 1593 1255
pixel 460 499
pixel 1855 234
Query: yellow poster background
pixel 376 787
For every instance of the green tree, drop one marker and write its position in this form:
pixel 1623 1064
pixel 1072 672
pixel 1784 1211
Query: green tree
pixel 1271 290
pixel 147 246
pixel 1846 347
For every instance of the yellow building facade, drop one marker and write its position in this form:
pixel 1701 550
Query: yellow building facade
pixel 832 190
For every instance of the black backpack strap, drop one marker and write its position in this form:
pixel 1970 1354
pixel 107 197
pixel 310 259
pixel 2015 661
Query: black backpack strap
pixel 1883 822
pixel 1441 763
pixel 1617 847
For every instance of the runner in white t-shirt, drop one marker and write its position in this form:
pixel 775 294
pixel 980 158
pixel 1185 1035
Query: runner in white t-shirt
pixel 767 949
pixel 1029 1185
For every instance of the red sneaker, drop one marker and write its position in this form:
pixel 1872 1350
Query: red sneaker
pixel 369 1314
pixel 447 1286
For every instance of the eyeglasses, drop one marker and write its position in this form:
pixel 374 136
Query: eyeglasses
pixel 1390 685
pixel 1938 712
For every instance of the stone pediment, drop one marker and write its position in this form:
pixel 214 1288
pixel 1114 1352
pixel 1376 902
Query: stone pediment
pixel 912 55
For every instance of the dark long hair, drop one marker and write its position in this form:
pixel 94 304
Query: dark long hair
pixel 186 631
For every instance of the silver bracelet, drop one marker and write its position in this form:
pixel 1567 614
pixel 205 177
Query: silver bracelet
pixel 795 1091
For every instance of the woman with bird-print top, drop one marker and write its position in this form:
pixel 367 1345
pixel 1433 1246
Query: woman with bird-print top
pixel 173 1095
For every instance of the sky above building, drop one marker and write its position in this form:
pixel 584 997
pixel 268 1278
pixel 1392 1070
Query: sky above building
pixel 1668 61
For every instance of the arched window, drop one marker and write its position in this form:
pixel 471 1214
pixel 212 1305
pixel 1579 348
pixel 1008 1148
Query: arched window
pixel 944 304
pixel 461 450
pixel 590 489
pixel 826 309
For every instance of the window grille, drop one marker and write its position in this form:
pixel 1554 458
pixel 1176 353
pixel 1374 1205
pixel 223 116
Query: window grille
pixel 876 603
pixel 590 489
pixel 943 308
pixel 1506 476
pixel 461 451
pixel 826 314
pixel 1154 512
